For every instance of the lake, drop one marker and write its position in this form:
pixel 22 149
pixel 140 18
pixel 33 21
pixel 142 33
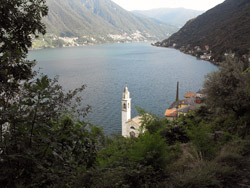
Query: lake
pixel 151 74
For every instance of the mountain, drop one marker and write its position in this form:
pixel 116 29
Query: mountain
pixel 175 16
pixel 212 35
pixel 100 21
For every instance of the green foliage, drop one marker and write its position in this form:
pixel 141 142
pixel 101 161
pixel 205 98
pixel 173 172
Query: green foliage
pixel 228 88
pixel 115 151
pixel 201 177
pixel 199 136
pixel 41 146
pixel 228 94
pixel 174 132
pixel 137 162
pixel 228 169
pixel 150 150
pixel 151 122
pixel 19 20
pixel 171 131
pixel 212 28
pixel 43 143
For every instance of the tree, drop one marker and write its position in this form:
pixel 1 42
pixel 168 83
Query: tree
pixel 228 89
pixel 43 143
pixel 20 20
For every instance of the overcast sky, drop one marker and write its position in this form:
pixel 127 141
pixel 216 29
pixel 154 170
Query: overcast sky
pixel 151 4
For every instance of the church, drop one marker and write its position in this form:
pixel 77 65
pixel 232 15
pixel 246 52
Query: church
pixel 130 127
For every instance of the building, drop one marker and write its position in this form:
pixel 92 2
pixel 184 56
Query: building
pixel 189 95
pixel 130 127
pixel 182 107
pixel 171 114
pixel 201 94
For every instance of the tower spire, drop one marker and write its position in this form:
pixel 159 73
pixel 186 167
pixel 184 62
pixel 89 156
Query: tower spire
pixel 126 87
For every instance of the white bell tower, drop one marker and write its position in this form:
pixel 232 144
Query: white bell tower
pixel 126 110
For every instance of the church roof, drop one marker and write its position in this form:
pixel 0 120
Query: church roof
pixel 136 120
pixel 189 95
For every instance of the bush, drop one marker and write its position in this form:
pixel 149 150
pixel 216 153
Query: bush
pixel 199 136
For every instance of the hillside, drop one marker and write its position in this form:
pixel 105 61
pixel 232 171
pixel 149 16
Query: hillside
pixel 214 34
pixel 175 16
pixel 99 21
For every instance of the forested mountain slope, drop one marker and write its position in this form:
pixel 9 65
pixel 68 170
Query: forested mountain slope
pixel 101 21
pixel 222 29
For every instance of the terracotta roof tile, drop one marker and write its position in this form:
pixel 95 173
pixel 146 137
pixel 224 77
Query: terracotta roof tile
pixel 189 95
pixel 171 113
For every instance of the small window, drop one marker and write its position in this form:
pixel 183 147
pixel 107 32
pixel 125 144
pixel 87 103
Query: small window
pixel 132 128
pixel 124 106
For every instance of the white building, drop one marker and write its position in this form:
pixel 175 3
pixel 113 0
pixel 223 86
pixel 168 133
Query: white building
pixel 130 127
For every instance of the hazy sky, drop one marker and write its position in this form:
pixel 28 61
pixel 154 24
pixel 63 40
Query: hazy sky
pixel 151 4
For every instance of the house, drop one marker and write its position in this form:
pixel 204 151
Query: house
pixel 184 110
pixel 189 95
pixel 171 114
pixel 200 94
pixel 182 107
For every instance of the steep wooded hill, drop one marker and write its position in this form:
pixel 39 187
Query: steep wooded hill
pixel 222 29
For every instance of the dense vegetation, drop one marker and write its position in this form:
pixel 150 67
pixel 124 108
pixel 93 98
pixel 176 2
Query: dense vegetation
pixel 224 29
pixel 43 142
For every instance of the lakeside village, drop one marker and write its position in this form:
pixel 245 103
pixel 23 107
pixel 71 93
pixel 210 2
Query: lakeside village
pixel 131 127
pixel 196 51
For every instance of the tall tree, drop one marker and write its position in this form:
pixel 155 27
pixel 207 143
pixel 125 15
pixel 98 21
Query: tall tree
pixel 20 20
pixel 228 91
pixel 40 145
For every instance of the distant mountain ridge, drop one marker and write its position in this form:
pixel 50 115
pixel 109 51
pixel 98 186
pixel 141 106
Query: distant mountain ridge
pixel 212 35
pixel 175 16
pixel 101 21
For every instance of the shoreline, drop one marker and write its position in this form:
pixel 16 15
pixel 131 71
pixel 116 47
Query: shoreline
pixel 127 42
pixel 213 62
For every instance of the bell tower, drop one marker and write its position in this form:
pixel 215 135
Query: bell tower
pixel 126 110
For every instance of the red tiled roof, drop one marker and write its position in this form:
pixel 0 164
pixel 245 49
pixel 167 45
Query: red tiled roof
pixel 189 95
pixel 171 113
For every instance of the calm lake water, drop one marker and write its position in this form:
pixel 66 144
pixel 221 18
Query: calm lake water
pixel 150 72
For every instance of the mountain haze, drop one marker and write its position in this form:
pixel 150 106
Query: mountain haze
pixel 174 16
pixel 222 29
pixel 101 21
